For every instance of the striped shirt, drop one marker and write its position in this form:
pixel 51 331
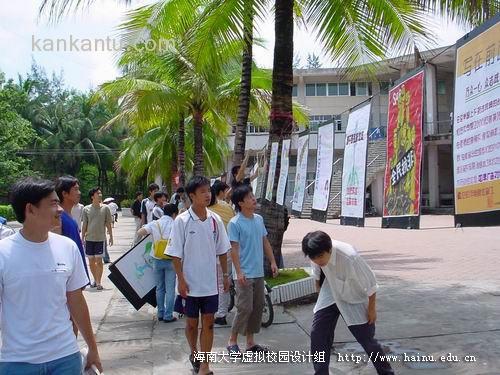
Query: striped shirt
pixel 349 282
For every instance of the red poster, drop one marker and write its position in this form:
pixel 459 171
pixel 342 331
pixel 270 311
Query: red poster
pixel 404 148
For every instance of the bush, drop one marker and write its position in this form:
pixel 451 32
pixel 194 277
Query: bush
pixel 7 212
pixel 287 276
pixel 126 203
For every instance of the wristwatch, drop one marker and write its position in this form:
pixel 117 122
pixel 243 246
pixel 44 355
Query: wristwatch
pixel 225 275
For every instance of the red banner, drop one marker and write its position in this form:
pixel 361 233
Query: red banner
pixel 404 148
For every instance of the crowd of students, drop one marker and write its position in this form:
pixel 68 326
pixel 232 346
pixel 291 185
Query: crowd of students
pixel 200 240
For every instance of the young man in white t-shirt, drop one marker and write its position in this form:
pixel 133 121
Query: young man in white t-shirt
pixel 163 268
pixel 41 281
pixel 197 239
pixel 148 204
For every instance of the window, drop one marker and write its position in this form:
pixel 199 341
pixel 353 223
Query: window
pixel 384 87
pixel 316 120
pixel 320 89
pixel 333 89
pixel 294 90
pixel 338 125
pixel 441 87
pixel 252 129
pixel 361 89
pixel 344 88
pixel 311 89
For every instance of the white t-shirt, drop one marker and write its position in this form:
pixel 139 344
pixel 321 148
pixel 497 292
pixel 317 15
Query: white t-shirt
pixel 157 213
pixel 325 296
pixel 198 243
pixel 76 214
pixel 149 204
pixel 34 279
pixel 113 207
pixel 159 229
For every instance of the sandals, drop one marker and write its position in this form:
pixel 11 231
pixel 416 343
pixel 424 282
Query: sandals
pixel 233 350
pixel 258 349
pixel 195 363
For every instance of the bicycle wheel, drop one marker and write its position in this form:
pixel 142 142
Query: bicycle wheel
pixel 267 313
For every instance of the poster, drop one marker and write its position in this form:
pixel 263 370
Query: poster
pixel 285 163
pixel 476 138
pixel 301 173
pixel 255 182
pixel 404 148
pixel 354 169
pixel 324 167
pixel 136 266
pixel 272 171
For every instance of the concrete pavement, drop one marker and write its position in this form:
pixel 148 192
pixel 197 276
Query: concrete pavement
pixel 439 294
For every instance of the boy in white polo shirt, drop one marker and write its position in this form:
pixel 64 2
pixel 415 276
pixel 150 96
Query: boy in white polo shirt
pixel 197 238
pixel 41 281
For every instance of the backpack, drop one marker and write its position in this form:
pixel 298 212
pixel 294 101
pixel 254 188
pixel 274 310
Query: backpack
pixel 160 246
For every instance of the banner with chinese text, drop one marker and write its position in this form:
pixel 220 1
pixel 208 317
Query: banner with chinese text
pixel 285 163
pixel 476 130
pixel 404 152
pixel 300 174
pixel 272 171
pixel 354 168
pixel 324 168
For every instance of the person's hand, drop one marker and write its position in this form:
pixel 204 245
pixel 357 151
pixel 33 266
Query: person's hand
pixel 225 282
pixel 274 269
pixel 111 241
pixel 242 280
pixel 93 359
pixel 183 288
pixel 372 315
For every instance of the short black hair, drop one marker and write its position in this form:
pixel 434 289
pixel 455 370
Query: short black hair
pixel 29 190
pixel 153 187
pixel 64 184
pixel 137 193
pixel 195 183
pixel 316 243
pixel 93 191
pixel 158 195
pixel 239 194
pixel 170 209
pixel 180 190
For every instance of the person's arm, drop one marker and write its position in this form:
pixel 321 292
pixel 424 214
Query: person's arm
pixel 268 250
pixel 241 172
pixel 182 285
pixel 144 213
pixel 372 308
pixel 225 271
pixel 142 232
pixel 84 225
pixel 235 257
pixel 80 314
pixel 109 221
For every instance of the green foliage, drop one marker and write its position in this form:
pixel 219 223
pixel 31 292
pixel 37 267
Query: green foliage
pixel 286 276
pixel 313 61
pixel 126 203
pixel 7 212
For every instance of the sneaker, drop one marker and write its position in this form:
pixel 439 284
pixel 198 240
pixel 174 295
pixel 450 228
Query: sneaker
pixel 221 321
pixel 100 287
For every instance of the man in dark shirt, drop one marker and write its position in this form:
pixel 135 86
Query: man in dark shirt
pixel 136 213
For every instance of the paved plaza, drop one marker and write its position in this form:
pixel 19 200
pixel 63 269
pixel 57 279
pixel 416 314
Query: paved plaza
pixel 439 294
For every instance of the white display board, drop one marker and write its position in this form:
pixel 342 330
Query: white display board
pixel 324 167
pixel 285 163
pixel 272 171
pixel 301 173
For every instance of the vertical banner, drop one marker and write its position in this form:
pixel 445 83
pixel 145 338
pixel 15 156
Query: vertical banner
pixel 354 169
pixel 285 163
pixel 300 174
pixel 476 127
pixel 255 182
pixel 324 169
pixel 404 153
pixel 272 171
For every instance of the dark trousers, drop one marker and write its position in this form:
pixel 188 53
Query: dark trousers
pixel 322 333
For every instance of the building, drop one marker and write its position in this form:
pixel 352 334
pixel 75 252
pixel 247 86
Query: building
pixel 330 93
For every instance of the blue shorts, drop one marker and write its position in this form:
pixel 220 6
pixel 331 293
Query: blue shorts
pixel 69 365
pixel 94 249
pixel 205 305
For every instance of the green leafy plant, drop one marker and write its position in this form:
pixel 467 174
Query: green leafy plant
pixel 286 276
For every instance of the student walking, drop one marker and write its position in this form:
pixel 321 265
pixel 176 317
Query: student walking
pixel 226 213
pixel 41 281
pixel 96 219
pixel 160 199
pixel 135 210
pixel 349 290
pixel 148 204
pixel 163 268
pixel 249 243
pixel 197 239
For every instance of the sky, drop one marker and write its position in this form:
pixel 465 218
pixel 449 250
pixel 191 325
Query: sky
pixel 25 38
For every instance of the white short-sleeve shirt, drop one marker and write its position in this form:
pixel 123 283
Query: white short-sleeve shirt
pixel 159 229
pixel 34 279
pixel 198 243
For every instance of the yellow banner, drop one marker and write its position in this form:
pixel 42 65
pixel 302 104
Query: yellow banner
pixel 479 51
pixel 481 197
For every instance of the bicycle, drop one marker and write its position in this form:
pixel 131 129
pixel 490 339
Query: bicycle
pixel 268 311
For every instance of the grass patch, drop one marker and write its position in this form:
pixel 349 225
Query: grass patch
pixel 286 276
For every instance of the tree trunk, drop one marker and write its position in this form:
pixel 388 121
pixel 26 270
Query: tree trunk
pixel 281 119
pixel 181 155
pixel 246 86
pixel 198 169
